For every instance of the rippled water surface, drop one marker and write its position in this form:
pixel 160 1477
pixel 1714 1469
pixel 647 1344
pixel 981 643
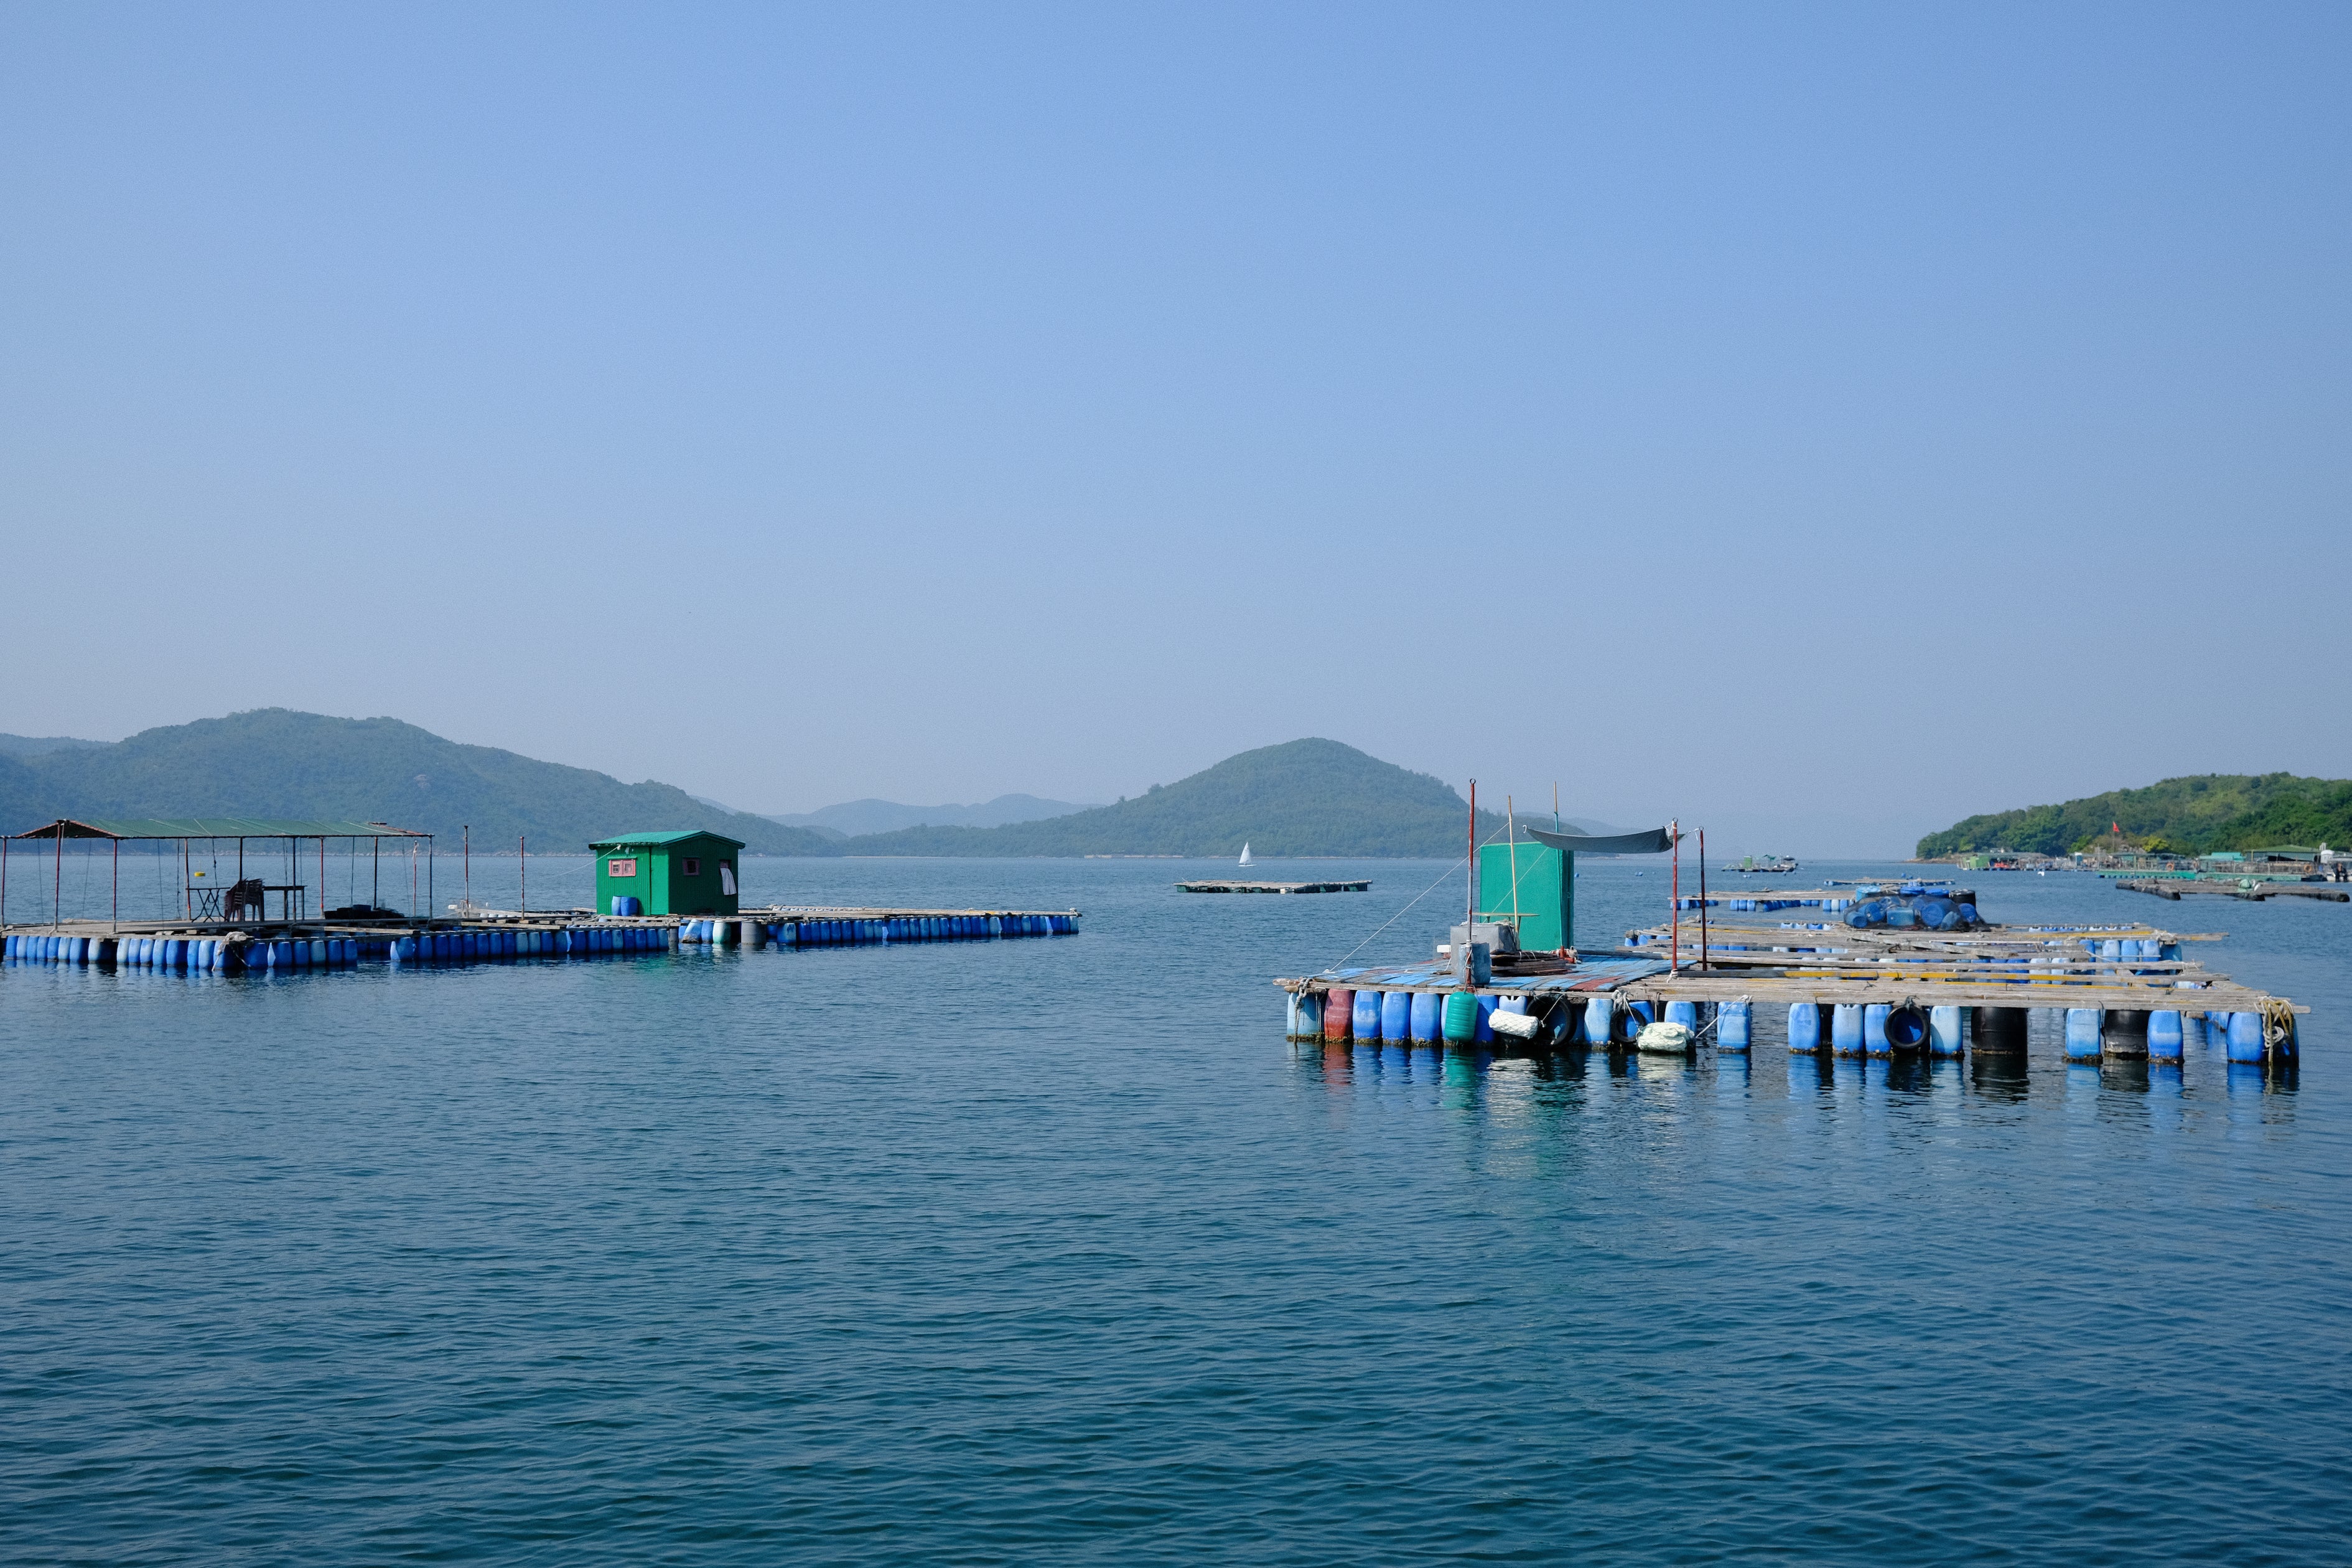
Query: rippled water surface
pixel 1054 1250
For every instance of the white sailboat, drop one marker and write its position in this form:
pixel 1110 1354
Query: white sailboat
pixel 1246 860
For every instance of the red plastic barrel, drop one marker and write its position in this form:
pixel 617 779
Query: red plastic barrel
pixel 1338 1006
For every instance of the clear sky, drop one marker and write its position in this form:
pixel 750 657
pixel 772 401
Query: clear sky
pixel 1814 422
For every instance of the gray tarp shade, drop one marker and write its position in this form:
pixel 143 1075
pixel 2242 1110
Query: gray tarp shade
pixel 1654 842
pixel 211 827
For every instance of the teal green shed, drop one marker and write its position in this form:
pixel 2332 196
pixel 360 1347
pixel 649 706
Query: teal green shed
pixel 686 872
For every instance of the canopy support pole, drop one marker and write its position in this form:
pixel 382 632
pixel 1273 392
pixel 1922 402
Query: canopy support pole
pixel 114 916
pixel 58 893
pixel 1674 952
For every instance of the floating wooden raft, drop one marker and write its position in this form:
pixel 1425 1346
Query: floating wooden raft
pixel 1996 966
pixel 1273 887
pixel 2173 887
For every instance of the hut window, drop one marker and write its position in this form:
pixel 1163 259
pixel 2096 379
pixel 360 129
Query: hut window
pixel 693 866
pixel 623 868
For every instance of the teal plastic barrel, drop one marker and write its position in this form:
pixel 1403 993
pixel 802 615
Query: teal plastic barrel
pixel 1458 1019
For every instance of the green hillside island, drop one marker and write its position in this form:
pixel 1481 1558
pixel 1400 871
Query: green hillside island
pixel 2195 815
pixel 1306 797
pixel 275 763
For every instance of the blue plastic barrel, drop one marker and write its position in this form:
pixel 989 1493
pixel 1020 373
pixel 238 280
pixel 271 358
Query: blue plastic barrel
pixel 2083 1034
pixel 1845 1029
pixel 1684 1013
pixel 1600 1020
pixel 1364 1019
pixel 1944 1031
pixel 2164 1035
pixel 1428 1016
pixel 2244 1039
pixel 1731 1022
pixel 1396 1015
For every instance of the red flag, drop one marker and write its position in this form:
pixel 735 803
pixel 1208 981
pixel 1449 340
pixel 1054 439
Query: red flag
pixel 2118 828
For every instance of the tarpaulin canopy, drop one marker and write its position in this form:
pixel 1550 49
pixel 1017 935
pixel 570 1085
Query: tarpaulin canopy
pixel 212 828
pixel 1655 842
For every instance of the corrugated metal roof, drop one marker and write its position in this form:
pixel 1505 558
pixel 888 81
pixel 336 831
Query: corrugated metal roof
pixel 656 840
pixel 212 828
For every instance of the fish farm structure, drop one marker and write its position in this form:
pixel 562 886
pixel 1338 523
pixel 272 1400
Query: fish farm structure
pixel 1903 970
pixel 1273 887
pixel 225 926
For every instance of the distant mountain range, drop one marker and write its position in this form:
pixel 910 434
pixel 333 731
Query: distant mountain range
pixel 2194 815
pixel 1311 798
pixel 852 817
pixel 275 763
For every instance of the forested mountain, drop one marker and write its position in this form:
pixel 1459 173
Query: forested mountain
pixel 1303 797
pixel 2195 815
pixel 276 763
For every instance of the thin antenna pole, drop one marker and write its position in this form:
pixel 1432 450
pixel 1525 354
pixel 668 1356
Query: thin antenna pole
pixel 1470 882
pixel 1674 953
pixel 523 847
pixel 1555 806
pixel 1511 837
pixel 58 893
pixel 469 844
pixel 1702 899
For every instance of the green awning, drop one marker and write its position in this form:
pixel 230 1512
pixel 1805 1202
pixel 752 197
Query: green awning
pixel 212 828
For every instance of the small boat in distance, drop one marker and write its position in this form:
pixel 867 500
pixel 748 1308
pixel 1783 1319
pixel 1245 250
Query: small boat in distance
pixel 1246 860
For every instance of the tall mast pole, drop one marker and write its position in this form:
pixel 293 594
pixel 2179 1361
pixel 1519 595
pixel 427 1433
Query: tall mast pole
pixel 1702 899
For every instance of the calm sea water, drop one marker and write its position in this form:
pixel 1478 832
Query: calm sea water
pixel 1055 1251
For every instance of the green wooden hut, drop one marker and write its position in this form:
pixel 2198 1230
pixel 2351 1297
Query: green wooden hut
pixel 689 872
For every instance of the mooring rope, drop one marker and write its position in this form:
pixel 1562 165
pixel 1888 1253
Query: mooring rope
pixel 1393 920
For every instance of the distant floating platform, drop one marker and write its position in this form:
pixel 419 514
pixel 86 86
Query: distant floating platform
pixel 1275 886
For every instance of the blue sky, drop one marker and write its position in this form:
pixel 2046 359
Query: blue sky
pixel 1816 422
